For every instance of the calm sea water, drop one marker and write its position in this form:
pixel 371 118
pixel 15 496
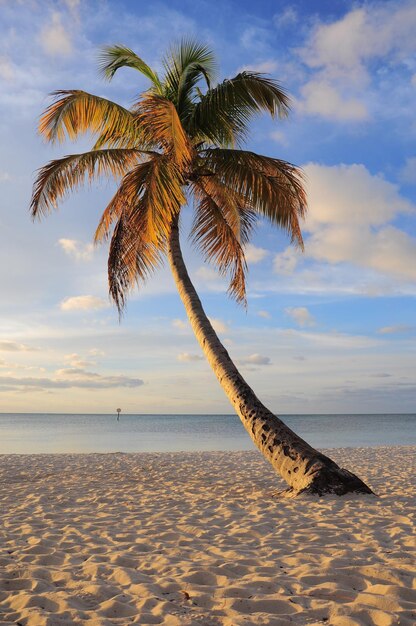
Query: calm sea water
pixel 31 433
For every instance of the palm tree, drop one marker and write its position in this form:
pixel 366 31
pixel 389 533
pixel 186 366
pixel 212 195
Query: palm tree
pixel 181 140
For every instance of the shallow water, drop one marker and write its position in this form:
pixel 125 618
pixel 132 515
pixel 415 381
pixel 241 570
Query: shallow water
pixel 26 433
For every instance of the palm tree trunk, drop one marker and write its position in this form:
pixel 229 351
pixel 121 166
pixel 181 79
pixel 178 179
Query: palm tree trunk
pixel 301 466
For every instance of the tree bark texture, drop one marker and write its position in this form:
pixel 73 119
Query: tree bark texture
pixel 304 469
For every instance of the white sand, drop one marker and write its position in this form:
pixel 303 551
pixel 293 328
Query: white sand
pixel 197 538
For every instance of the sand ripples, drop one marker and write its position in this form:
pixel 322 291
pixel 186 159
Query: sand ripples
pixel 198 539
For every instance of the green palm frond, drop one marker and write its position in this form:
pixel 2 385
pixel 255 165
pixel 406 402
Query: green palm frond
pixel 112 58
pixel 222 115
pixel 56 179
pixel 75 112
pixel 271 187
pixel 186 64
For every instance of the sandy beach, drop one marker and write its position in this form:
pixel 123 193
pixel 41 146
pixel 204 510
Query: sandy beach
pixel 185 539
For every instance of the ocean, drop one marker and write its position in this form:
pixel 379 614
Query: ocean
pixel 33 433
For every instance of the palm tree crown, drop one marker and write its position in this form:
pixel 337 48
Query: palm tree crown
pixel 181 139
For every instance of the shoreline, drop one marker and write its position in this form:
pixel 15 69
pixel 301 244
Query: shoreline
pixel 197 538
pixel 255 452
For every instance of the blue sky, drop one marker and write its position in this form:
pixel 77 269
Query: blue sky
pixel 332 330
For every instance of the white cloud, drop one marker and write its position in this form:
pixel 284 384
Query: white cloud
pixel 180 324
pixel 83 303
pixel 74 360
pixel 340 53
pixel 265 314
pixel 349 194
pixel 96 352
pixel 322 98
pixel 255 38
pixel 206 273
pixel 69 378
pixel 344 46
pixel 408 173
pixel 390 330
pixel 263 67
pixel 285 18
pixel 255 255
pixel 55 39
pixel 72 4
pixel 6 69
pixel 301 315
pixel 255 359
pixel 218 325
pixel 14 346
pixel 332 340
pixel 4 176
pixel 279 137
pixel 286 262
pixel 76 249
pixel 348 221
pixel 187 357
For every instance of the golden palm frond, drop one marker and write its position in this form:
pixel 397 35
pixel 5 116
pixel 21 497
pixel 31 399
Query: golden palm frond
pixel 132 257
pixel 110 138
pixel 241 217
pixel 56 179
pixel 159 122
pixel 155 184
pixel 218 239
pixel 272 187
pixel 75 112
pixel 128 194
pixel 150 197
pixel 164 197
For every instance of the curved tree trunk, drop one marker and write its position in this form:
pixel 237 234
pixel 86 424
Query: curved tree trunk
pixel 305 469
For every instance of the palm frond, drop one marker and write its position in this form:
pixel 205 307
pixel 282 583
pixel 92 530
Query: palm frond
pixel 75 112
pixel 155 184
pixel 222 115
pixel 144 205
pixel 185 65
pixel 56 179
pixel 134 138
pixel 159 122
pixel 164 197
pixel 218 238
pixel 240 217
pixel 128 195
pixel 271 187
pixel 132 257
pixel 112 58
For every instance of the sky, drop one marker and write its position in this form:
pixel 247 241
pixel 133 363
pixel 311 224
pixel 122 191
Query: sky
pixel 331 330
